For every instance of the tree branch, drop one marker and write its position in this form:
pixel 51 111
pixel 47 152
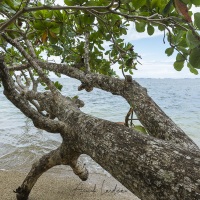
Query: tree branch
pixel 32 61
pixel 159 126
pixel 31 49
pixel 45 7
pixel 20 102
pixel 86 55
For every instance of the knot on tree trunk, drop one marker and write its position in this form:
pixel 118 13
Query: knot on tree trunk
pixel 21 193
pixel 80 170
pixel 1 58
pixel 63 155
pixel 85 86
pixel 78 102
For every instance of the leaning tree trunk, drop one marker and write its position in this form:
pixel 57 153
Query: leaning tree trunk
pixel 166 166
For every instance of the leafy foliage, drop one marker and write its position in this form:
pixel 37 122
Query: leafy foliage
pixel 59 31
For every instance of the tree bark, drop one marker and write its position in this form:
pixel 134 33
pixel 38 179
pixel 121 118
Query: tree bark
pixel 157 123
pixel 166 166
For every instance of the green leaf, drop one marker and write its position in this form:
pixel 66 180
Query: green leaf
pixel 183 43
pixel 183 50
pixel 167 8
pixel 39 25
pixel 74 2
pixel 169 51
pixel 58 85
pixel 139 4
pixel 140 26
pixel 180 58
pixel 192 69
pixel 58 74
pixel 49 14
pixel 178 37
pixel 39 14
pixel 69 2
pixel 58 15
pixel 52 37
pixel 185 1
pixel 129 62
pixel 179 65
pixel 194 58
pixel 140 129
pixel 10 4
pixel 75 97
pixel 195 2
pixel 107 52
pixel 197 20
pixel 55 30
pixel 150 29
pixel 130 72
pixel 58 50
pixel 191 40
pixel 123 31
pixel 161 27
pixel 100 47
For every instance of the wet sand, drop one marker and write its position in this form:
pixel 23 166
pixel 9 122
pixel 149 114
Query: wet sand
pixel 56 185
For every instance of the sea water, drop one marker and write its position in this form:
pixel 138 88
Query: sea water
pixel 21 143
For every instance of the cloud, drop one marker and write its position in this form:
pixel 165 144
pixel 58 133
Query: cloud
pixel 159 69
pixel 195 9
pixel 133 35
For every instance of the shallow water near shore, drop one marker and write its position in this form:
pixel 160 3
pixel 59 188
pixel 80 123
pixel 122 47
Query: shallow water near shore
pixel 21 143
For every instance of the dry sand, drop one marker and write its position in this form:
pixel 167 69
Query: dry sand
pixel 56 185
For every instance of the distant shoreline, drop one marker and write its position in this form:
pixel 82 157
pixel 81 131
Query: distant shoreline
pixel 67 77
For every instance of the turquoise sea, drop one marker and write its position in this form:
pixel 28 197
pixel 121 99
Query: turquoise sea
pixel 21 143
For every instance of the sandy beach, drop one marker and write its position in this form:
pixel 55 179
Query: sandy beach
pixel 56 185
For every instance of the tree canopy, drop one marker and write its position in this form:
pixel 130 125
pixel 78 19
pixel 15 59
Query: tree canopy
pixel 78 31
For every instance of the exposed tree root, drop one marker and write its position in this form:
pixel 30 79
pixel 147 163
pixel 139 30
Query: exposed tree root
pixel 45 163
